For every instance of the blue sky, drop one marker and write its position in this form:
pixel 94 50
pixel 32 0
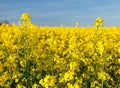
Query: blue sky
pixel 66 12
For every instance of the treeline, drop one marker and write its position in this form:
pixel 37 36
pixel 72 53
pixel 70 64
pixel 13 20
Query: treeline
pixel 4 22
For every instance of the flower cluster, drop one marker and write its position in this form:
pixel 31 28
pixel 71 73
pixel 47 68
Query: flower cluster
pixel 48 81
pixel 99 22
pixel 25 19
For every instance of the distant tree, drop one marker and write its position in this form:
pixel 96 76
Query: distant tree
pixel 4 21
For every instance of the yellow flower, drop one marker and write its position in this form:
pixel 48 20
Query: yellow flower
pixel 20 86
pixel 103 76
pixel 35 86
pixel 119 60
pixel 25 19
pixel 1 53
pixel 69 75
pixel 73 65
pixel 100 47
pixel 91 68
pixel 76 85
pixel 77 24
pixel 119 50
pixel 25 16
pixel 48 81
pixel 16 80
pixel 69 85
pixel 99 22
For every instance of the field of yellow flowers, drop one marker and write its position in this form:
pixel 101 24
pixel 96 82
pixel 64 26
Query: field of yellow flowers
pixel 59 57
pixel 32 56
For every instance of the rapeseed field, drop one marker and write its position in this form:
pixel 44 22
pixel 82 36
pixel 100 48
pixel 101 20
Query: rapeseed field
pixel 33 56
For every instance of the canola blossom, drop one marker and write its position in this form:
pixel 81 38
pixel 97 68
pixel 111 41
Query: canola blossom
pixel 99 22
pixel 34 56
pixel 25 19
